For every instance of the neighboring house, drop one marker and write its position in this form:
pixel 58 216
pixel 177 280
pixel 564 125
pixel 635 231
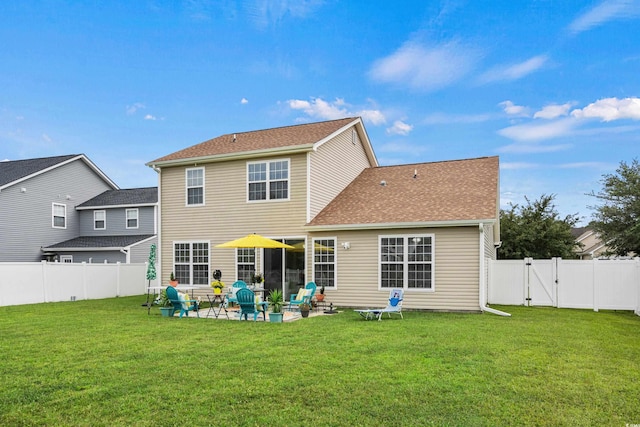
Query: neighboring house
pixel 64 208
pixel 359 229
pixel 115 226
pixel 37 201
pixel 592 247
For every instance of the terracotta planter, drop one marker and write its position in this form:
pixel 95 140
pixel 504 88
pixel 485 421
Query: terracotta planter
pixel 173 283
pixel 320 297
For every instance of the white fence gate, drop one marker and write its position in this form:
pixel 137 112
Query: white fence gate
pixel 36 282
pixel 594 284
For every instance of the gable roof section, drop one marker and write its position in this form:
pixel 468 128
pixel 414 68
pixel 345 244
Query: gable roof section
pixel 304 137
pixel 442 193
pixel 15 171
pixel 147 196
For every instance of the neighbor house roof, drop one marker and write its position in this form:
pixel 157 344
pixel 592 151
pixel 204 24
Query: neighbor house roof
pixel 455 191
pixel 99 242
pixel 281 138
pixel 127 197
pixel 14 171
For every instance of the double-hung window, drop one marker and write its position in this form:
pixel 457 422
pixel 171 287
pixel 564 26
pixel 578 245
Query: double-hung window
pixel 406 261
pixel 324 262
pixel 191 262
pixel 59 215
pixel 246 263
pixel 268 180
pixel 99 220
pixel 132 218
pixel 195 186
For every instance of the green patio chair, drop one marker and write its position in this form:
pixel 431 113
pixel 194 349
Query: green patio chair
pixel 248 304
pixel 183 305
pixel 231 294
pixel 294 301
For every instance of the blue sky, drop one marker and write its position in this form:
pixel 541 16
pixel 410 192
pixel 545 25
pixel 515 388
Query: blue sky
pixel 552 87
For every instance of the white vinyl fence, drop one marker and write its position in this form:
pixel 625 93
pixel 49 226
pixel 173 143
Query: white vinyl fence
pixel 593 284
pixel 37 282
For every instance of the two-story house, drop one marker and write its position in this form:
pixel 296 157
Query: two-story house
pixel 37 201
pixel 115 226
pixel 47 213
pixel 359 229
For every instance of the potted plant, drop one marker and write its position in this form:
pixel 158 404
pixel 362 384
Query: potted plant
pixel 276 301
pixel 320 296
pixel 304 309
pixel 166 308
pixel 217 286
pixel 256 279
pixel 172 280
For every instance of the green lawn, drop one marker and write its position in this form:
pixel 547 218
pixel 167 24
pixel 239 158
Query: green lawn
pixel 107 363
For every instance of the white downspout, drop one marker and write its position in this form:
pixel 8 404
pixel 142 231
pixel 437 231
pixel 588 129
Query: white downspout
pixel 483 279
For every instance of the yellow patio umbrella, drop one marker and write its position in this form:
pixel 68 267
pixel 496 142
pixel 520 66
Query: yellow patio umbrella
pixel 299 247
pixel 254 241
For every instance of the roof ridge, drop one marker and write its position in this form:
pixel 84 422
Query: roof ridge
pixel 288 126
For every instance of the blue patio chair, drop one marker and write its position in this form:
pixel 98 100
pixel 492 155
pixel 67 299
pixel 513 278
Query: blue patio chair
pixel 297 299
pixel 184 305
pixel 231 294
pixel 248 304
pixel 393 307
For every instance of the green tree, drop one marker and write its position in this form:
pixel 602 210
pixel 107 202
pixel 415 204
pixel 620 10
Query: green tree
pixel 617 219
pixel 536 230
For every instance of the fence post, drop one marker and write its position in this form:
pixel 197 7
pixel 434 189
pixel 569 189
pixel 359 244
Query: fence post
pixel 43 265
pixel 118 273
pixel 594 263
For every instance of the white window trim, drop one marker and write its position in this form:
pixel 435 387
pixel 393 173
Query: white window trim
pixel 186 187
pixel 126 218
pixel 405 261
pixel 191 263
pixel 335 260
pixel 66 259
pixel 268 162
pixel 104 219
pixel 53 215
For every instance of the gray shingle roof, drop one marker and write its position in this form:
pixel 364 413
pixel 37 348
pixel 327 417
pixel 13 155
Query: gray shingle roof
pixel 14 170
pixel 97 242
pixel 128 197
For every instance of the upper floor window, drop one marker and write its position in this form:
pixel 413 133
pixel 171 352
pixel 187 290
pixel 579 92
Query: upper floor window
pixel 195 186
pixel 59 215
pixel 268 180
pixel 99 220
pixel 132 218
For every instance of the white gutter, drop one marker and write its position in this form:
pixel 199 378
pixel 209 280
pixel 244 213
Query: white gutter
pixel 483 279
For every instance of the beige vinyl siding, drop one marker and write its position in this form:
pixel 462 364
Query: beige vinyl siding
pixel 456 282
pixel 336 163
pixel 227 214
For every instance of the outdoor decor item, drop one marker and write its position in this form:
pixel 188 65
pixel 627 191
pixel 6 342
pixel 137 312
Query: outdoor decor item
pixel 151 273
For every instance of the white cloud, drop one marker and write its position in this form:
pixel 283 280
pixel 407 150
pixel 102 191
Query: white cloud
pixel 269 12
pixel 244 101
pixel 536 131
pixel 514 110
pixel 610 109
pixel 423 67
pixel 399 128
pixel 513 71
pixel 338 109
pixel 46 137
pixel 517 165
pixel 553 111
pixel 531 148
pixel 149 117
pixel 607 10
pixel 132 109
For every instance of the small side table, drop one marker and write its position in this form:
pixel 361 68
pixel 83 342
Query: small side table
pixel 220 299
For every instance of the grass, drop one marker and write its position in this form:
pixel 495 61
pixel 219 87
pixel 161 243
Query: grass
pixel 106 362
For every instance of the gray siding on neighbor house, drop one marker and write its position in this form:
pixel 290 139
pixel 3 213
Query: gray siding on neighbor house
pixel 26 217
pixel 97 257
pixel 116 222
